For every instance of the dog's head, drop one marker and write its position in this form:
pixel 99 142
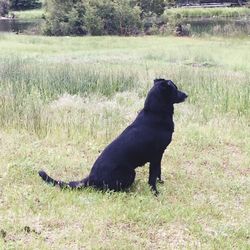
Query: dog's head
pixel 163 95
pixel 170 91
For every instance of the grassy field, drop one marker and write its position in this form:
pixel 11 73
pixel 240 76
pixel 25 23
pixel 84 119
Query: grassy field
pixel 237 12
pixel 29 14
pixel 63 99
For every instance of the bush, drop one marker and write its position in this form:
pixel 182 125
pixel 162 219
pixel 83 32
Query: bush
pixel 118 18
pixel 4 7
pixel 24 4
pixel 96 17
pixel 64 18
pixel 151 6
pixel 94 23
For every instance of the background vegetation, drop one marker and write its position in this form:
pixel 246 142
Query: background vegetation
pixel 7 5
pixel 100 17
pixel 133 17
pixel 24 4
pixel 4 7
pixel 59 109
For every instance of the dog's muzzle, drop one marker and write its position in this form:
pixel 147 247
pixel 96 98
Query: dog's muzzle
pixel 181 97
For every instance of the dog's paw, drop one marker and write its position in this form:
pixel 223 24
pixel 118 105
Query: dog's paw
pixel 156 193
pixel 161 181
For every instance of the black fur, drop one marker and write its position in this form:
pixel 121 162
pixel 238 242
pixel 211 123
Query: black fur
pixel 145 140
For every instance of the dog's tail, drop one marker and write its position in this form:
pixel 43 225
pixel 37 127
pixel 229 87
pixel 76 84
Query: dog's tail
pixel 62 184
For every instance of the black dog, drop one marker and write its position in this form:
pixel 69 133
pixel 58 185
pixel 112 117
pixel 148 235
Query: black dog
pixel 145 140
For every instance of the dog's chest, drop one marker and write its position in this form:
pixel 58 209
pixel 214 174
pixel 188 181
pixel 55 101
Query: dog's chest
pixel 162 139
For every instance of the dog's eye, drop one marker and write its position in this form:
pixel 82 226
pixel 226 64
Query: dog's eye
pixel 172 84
pixel 166 84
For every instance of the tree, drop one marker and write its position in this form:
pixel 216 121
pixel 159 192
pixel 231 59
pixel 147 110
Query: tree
pixel 96 17
pixel 118 17
pixel 4 7
pixel 94 23
pixel 24 4
pixel 65 17
pixel 151 6
pixel 171 3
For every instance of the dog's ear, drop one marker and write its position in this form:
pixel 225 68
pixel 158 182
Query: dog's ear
pixel 163 83
pixel 158 80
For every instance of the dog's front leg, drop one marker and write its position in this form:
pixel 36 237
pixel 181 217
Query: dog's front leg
pixel 154 172
pixel 159 176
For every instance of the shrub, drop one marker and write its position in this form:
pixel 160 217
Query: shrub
pixel 110 17
pixel 24 4
pixel 97 17
pixel 94 23
pixel 64 18
pixel 4 7
pixel 151 6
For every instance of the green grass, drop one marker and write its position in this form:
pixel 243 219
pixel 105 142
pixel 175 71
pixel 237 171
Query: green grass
pixel 237 12
pixel 63 99
pixel 29 14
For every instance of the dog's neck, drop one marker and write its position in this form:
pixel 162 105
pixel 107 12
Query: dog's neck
pixel 155 103
pixel 164 117
pixel 170 111
pixel 163 111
